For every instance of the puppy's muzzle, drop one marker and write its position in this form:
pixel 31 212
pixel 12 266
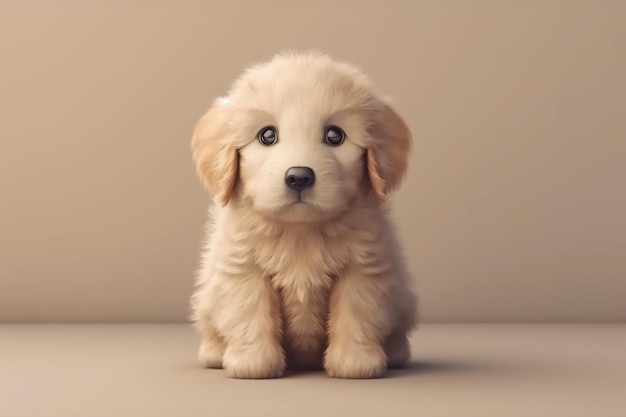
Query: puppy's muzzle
pixel 300 178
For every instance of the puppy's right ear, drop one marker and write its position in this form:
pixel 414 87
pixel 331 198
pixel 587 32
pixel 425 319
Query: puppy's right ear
pixel 217 161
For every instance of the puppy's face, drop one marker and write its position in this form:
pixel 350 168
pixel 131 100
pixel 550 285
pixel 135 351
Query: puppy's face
pixel 300 139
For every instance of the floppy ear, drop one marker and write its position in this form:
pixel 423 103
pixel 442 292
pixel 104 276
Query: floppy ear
pixel 217 162
pixel 388 153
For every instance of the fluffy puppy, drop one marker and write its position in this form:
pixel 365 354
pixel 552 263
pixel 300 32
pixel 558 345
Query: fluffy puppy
pixel 302 267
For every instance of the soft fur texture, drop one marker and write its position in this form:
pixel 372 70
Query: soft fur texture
pixel 310 281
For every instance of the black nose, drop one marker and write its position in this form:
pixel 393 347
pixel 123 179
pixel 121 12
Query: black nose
pixel 300 178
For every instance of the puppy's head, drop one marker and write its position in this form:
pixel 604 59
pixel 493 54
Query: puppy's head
pixel 301 138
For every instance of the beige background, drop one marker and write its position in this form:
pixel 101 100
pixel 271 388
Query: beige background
pixel 513 210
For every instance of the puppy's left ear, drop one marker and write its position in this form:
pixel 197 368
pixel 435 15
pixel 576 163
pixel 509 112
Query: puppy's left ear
pixel 216 159
pixel 388 152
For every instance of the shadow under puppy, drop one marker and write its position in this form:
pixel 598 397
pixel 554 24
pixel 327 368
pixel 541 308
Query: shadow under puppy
pixel 302 267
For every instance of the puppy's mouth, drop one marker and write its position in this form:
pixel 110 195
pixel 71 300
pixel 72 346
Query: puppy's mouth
pixel 300 207
pixel 299 199
pixel 299 202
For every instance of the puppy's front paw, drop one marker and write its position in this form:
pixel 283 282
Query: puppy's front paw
pixel 356 361
pixel 254 362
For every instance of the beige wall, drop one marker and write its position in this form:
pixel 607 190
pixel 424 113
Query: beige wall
pixel 514 209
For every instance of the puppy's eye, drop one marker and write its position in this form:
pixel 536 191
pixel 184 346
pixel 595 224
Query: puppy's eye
pixel 334 136
pixel 268 136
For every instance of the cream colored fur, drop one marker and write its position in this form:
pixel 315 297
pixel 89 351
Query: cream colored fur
pixel 320 283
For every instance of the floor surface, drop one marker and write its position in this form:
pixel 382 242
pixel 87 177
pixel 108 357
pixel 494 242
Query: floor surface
pixel 458 370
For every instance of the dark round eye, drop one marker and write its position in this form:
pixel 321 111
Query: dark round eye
pixel 334 136
pixel 268 136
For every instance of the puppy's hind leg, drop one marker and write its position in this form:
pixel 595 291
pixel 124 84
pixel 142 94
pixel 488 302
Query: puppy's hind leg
pixel 211 351
pixel 397 350
pixel 397 346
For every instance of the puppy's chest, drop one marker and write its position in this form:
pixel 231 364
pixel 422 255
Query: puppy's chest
pixel 302 262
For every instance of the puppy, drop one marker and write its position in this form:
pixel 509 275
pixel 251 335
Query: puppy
pixel 302 268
